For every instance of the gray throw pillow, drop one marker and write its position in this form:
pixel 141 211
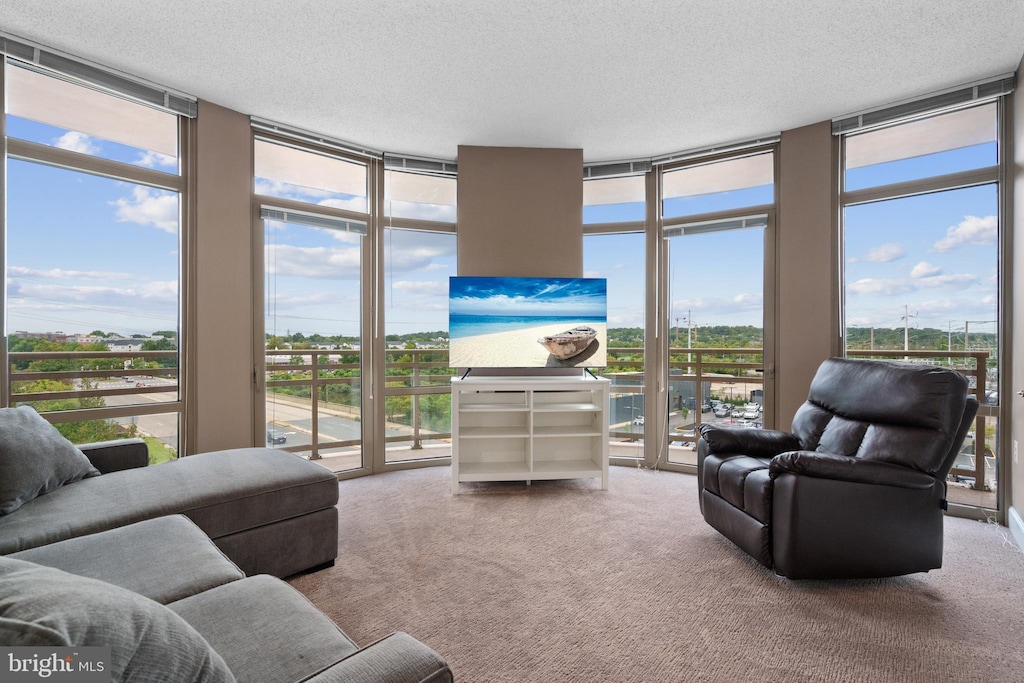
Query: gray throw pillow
pixel 45 607
pixel 35 458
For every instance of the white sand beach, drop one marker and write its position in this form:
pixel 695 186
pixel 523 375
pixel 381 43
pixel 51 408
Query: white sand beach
pixel 519 349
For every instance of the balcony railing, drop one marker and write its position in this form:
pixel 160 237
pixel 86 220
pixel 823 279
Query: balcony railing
pixel 977 453
pixel 419 372
pixel 101 395
pixel 29 367
pixel 410 372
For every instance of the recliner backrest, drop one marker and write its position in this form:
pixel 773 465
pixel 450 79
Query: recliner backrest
pixel 901 413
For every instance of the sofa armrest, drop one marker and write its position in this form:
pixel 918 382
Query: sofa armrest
pixel 113 456
pixel 398 658
pixel 763 443
pixel 846 468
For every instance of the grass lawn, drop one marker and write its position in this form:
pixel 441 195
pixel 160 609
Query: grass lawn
pixel 159 451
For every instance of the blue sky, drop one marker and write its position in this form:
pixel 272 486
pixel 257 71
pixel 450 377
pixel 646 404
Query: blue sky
pixel 90 253
pixel 499 296
pixel 86 252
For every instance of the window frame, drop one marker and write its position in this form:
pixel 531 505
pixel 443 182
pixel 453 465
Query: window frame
pixel 998 175
pixel 770 281
pixel 181 182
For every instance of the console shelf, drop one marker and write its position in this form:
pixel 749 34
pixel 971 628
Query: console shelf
pixel 526 428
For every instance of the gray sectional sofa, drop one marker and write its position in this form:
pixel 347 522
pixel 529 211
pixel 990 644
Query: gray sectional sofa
pixel 169 566
pixel 271 512
pixel 172 607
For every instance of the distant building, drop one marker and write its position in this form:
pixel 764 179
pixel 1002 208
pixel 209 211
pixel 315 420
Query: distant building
pixel 123 344
pixel 58 337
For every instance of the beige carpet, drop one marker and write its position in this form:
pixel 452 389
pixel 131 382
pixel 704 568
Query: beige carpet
pixel 564 582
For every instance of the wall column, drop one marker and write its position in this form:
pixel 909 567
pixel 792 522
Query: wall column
pixel 220 325
pixel 520 212
pixel 806 244
pixel 1015 285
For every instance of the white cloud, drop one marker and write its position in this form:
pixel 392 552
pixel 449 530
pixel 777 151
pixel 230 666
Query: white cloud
pixel 274 188
pixel 445 213
pixel 98 296
pixel 880 286
pixel 422 288
pixel 898 286
pixel 148 206
pixel 924 269
pixel 971 230
pixel 747 299
pixel 883 253
pixel 696 302
pixel 57 273
pixel 152 159
pixel 593 273
pixel 350 204
pixel 77 142
pixel 315 262
pixel 944 280
pixel 989 300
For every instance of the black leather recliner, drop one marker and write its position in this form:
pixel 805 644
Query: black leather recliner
pixel 858 488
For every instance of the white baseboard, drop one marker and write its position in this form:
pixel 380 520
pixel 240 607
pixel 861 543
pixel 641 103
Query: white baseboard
pixel 1017 527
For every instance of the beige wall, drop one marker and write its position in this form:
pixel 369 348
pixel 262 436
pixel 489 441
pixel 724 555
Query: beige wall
pixel 520 212
pixel 221 409
pixel 1016 294
pixel 806 264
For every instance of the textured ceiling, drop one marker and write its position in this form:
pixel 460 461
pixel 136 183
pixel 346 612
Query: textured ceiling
pixel 618 78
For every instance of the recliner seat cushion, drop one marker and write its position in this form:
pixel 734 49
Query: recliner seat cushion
pixel 742 481
pixel 223 492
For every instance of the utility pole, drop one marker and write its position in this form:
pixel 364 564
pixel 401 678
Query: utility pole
pixel 872 338
pixel 949 342
pixel 689 338
pixel 906 330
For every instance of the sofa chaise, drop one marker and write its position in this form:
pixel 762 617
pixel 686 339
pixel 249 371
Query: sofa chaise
pixel 171 606
pixel 271 512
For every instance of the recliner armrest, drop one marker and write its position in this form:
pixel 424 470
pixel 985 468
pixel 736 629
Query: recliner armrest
pixel 398 658
pixel 113 456
pixel 763 443
pixel 846 468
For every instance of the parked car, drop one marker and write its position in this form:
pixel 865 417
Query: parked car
pixel 751 412
pixel 723 410
pixel 275 438
pixel 639 420
pixel 706 408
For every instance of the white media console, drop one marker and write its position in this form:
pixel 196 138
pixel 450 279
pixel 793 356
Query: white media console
pixel 526 428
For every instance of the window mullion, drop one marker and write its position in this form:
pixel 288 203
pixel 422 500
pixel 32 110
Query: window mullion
pixel 950 181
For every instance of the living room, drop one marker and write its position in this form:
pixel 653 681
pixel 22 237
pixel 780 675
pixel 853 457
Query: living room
pixel 272 269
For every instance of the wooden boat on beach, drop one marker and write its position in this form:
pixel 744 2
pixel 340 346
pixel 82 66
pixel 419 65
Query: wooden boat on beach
pixel 569 343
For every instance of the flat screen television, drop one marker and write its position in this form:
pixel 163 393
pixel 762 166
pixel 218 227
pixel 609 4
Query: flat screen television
pixel 528 322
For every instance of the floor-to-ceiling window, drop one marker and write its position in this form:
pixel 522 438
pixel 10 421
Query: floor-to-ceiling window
pixel 614 210
pixel 94 240
pixel 312 225
pixel 921 262
pixel 717 225
pixel 419 258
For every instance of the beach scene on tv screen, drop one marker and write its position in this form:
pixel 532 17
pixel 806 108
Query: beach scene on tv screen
pixel 497 322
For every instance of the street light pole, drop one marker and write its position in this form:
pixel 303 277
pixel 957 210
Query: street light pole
pixel 689 339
